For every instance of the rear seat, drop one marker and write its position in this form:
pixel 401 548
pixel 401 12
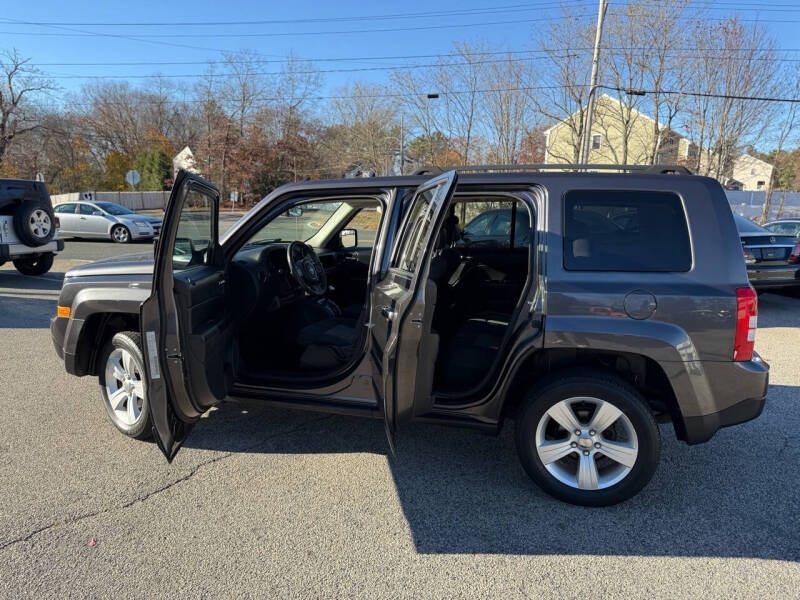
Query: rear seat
pixel 471 351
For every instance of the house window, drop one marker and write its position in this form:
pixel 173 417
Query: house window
pixel 596 141
pixel 752 171
pixel 760 185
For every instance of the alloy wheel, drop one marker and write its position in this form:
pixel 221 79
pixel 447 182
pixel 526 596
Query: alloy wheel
pixel 120 234
pixel 40 224
pixel 586 443
pixel 124 386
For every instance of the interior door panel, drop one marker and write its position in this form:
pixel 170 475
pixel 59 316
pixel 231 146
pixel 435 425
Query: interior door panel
pixel 200 294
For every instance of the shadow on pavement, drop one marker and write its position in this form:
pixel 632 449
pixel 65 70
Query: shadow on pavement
pixel 463 492
pixel 26 301
pixel 779 309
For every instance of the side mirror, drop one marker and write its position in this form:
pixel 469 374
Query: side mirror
pixel 295 212
pixel 349 238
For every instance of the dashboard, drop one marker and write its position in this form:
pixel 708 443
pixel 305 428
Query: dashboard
pixel 260 278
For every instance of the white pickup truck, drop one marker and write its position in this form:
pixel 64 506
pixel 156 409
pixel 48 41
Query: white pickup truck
pixel 28 228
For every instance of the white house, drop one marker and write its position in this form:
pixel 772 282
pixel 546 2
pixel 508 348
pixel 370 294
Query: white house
pixel 752 173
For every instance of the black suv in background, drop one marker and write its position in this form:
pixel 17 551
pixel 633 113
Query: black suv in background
pixel 27 226
pixel 607 303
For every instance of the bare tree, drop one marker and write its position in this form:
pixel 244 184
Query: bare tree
pixel 737 62
pixel 790 79
pixel 508 108
pixel 364 130
pixel 567 46
pixel 465 74
pixel 21 85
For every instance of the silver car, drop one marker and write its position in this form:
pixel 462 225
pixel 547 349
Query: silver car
pixel 105 220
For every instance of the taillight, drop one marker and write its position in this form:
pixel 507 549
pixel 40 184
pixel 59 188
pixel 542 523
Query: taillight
pixel 795 255
pixel 746 323
pixel 57 222
pixel 749 259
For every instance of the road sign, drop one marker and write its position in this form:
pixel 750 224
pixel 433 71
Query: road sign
pixel 132 177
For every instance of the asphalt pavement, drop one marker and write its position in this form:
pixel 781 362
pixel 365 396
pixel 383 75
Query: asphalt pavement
pixel 267 503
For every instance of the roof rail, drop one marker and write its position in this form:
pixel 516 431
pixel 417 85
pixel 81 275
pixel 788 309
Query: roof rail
pixel 654 169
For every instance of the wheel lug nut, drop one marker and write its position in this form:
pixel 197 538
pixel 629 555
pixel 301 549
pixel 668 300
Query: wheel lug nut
pixel 577 432
pixel 574 445
pixel 597 445
pixel 591 432
pixel 586 453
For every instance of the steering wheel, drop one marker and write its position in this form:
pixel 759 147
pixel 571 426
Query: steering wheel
pixel 306 268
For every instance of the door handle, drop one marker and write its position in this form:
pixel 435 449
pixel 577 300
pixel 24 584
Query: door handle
pixel 388 313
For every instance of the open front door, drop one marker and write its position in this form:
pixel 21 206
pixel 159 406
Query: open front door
pixel 186 327
pixel 399 302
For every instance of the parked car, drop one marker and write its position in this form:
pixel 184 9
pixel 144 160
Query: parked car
pixel 28 227
pixel 629 305
pixel 784 227
pixel 492 227
pixel 773 259
pixel 106 220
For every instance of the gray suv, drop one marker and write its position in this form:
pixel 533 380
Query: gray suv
pixel 625 304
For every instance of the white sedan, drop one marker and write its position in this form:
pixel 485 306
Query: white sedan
pixel 105 220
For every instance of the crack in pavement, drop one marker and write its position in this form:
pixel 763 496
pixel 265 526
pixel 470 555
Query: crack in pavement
pixel 164 488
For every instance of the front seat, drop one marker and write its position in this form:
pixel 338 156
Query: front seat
pixel 328 343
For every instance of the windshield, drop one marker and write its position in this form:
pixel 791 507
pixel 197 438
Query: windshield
pixel 114 209
pixel 296 224
pixel 746 226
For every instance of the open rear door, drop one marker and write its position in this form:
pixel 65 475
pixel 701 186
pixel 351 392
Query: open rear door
pixel 399 302
pixel 186 327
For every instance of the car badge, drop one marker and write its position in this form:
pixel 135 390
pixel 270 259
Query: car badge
pixel 772 239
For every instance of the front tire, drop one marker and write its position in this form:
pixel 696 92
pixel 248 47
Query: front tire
pixel 120 234
pixel 587 438
pixel 35 265
pixel 122 385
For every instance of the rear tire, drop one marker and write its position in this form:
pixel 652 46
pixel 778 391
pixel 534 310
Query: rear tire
pixel 120 234
pixel 600 458
pixel 122 385
pixel 34 223
pixel 35 265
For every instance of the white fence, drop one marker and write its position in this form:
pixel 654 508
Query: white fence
pixel 750 204
pixel 132 200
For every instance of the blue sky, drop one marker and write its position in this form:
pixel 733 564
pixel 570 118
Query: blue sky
pixel 507 24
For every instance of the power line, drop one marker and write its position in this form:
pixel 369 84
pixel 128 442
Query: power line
pixel 394 57
pixel 310 72
pixel 527 6
pixel 147 36
pixel 639 92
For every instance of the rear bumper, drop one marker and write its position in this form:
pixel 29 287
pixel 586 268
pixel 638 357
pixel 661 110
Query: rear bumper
pixel 741 387
pixel 774 276
pixel 12 251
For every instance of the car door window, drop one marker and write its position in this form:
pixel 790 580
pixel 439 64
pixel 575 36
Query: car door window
pixel 419 224
pixel 65 209
pixel 86 209
pixel 479 226
pixel 365 222
pixel 195 232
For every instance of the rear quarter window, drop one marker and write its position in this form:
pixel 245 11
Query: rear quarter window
pixel 625 230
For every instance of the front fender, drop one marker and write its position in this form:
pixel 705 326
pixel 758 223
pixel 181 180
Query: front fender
pixel 100 300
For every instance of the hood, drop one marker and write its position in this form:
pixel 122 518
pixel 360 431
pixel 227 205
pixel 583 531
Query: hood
pixel 126 264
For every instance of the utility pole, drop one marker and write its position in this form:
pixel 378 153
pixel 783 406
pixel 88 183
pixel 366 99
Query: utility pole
pixel 586 143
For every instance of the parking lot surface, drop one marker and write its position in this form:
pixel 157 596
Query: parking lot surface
pixel 276 503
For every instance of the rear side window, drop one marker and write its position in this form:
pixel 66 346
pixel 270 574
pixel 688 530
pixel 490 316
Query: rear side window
pixel 623 230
